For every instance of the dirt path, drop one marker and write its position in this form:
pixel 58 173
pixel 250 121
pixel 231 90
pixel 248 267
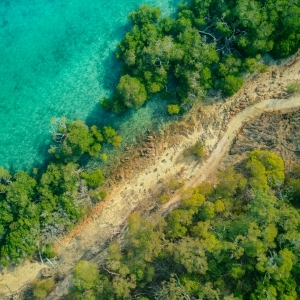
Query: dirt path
pixel 88 240
pixel 233 127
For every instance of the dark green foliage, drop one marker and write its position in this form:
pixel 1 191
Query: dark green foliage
pixel 208 44
pixel 217 246
pixel 146 14
pixel 33 211
pixel 132 91
pixel 231 84
pixel 77 141
pixel 106 104
pixel 74 139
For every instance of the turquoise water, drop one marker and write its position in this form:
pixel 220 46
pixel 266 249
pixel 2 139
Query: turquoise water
pixel 58 59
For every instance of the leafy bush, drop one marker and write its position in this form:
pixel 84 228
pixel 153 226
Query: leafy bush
pixel 173 109
pixel 198 150
pixel 42 287
pixel 231 84
pixel 94 178
pixel 293 88
pixel 106 104
pixel 163 198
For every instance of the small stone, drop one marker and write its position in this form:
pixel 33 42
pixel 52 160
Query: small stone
pixel 47 272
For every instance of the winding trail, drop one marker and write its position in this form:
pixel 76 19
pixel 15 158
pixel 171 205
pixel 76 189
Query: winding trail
pixel 233 127
pixel 108 217
pixel 113 213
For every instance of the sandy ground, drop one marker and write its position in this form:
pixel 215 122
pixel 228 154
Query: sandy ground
pixel 89 240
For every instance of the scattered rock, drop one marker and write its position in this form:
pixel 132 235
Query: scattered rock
pixel 274 74
pixel 47 272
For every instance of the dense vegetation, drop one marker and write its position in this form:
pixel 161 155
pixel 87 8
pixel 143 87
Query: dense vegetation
pixel 210 43
pixel 36 208
pixel 237 240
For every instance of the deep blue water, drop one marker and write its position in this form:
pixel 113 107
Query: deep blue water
pixel 58 59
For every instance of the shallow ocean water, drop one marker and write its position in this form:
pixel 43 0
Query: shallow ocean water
pixel 58 59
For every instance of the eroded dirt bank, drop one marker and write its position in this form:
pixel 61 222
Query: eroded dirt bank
pixel 142 171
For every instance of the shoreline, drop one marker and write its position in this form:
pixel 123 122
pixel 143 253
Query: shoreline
pixel 132 192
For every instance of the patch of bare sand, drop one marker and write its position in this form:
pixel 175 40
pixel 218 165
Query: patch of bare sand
pixel 89 240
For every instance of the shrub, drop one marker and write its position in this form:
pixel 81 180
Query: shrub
pixel 42 287
pixel 175 184
pixel 106 104
pixel 93 179
pixel 49 250
pixel 173 109
pixel 231 84
pixel 199 149
pixel 103 157
pixel 293 88
pixel 164 198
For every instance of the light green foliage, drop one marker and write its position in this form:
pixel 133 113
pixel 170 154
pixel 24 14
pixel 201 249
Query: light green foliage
pixel 111 137
pixel 229 182
pixel 255 243
pixel 94 178
pixel 219 206
pixel 199 150
pixel 173 109
pixel 237 272
pixel 175 184
pixel 48 250
pixel 96 195
pixel 4 176
pixel 293 88
pixel 96 133
pixel 32 210
pixel 146 240
pixel 85 275
pixel 122 287
pixel 267 169
pixel 19 193
pixel 21 239
pixel 58 191
pixel 42 287
pixel 103 157
pixel 190 253
pixel 230 66
pixel 163 198
pixel 178 222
